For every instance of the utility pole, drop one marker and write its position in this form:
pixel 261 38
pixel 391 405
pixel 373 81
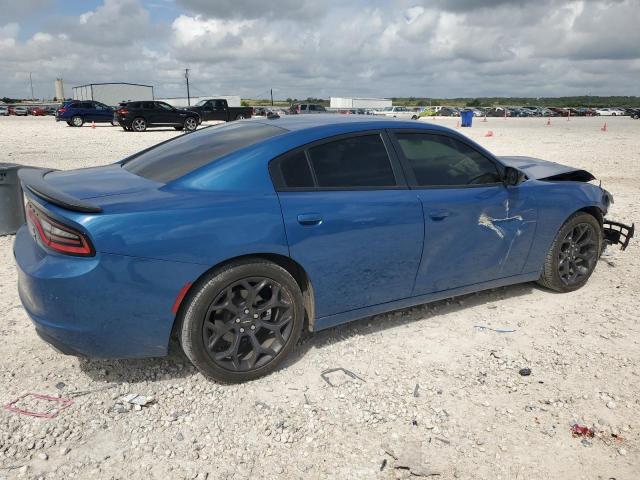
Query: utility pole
pixel 186 75
pixel 272 97
pixel 31 82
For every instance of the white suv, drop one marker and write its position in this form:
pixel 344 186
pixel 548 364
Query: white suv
pixel 609 111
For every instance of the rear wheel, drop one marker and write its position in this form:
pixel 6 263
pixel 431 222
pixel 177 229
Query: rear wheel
pixel 242 321
pixel 573 255
pixel 240 116
pixel 190 124
pixel 139 124
pixel 77 121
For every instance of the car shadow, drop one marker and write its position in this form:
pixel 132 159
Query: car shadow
pixel 176 365
pixel 422 312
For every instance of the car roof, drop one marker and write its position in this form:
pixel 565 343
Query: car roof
pixel 345 123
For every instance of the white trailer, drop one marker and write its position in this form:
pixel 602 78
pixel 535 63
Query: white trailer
pixel 346 102
pixel 113 93
pixel 232 100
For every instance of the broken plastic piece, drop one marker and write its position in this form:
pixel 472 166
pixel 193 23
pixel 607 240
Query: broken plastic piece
pixel 339 369
pixel 581 431
pixel 62 404
pixel 498 330
pixel 617 233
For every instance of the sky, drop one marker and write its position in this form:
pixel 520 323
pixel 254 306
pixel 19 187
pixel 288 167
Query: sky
pixel 323 48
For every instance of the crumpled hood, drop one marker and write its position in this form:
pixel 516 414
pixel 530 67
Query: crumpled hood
pixel 539 169
pixel 96 182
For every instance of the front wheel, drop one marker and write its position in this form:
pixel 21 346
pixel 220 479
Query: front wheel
pixel 190 124
pixel 139 124
pixel 573 255
pixel 241 321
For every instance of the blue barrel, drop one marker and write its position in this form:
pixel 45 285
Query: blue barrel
pixel 466 118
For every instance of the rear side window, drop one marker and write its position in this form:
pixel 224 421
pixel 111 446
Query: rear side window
pixel 148 105
pixel 437 160
pixel 352 162
pixel 184 154
pixel 295 171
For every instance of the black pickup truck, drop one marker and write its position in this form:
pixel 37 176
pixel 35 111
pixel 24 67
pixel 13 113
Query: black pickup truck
pixel 217 109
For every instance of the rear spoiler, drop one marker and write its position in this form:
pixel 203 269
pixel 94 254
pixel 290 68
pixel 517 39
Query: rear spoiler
pixel 32 179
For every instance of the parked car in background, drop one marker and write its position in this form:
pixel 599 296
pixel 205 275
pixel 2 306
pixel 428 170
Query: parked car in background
pixel 298 108
pixel 397 112
pixel 4 111
pixel 448 112
pixel 20 111
pixel 77 112
pixel 238 236
pixel 51 110
pixel 140 115
pixel 609 112
pixel 217 109
pixel 635 114
pixel 38 111
pixel 498 112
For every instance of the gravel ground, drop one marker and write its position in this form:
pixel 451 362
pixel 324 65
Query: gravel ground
pixel 435 396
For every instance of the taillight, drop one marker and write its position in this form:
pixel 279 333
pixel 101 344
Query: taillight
pixel 57 236
pixel 122 111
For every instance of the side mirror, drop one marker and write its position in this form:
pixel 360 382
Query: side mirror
pixel 512 177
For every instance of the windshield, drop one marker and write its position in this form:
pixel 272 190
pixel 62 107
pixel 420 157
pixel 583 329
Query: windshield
pixel 186 153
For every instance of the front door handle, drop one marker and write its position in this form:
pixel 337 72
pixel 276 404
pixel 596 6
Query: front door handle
pixel 438 215
pixel 309 219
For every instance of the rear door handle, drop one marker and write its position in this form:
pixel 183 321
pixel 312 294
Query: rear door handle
pixel 309 219
pixel 438 215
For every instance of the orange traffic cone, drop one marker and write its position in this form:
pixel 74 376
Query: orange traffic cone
pixel 93 124
pixel 489 133
pixel 548 120
pixel 604 127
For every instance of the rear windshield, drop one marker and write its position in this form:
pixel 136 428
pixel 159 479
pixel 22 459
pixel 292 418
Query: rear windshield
pixel 186 153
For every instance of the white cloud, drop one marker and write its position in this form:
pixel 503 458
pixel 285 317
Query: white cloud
pixel 309 48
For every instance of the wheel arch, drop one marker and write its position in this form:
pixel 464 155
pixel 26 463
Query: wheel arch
pixel 291 266
pixel 593 210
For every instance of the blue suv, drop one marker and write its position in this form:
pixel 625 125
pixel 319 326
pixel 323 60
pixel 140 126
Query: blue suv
pixel 76 112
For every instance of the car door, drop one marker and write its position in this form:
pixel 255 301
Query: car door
pixel 219 110
pixel 166 114
pixel 150 113
pixel 103 113
pixel 206 113
pixel 350 221
pixel 476 228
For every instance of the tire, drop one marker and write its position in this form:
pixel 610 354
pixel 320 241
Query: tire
pixel 139 124
pixel 570 252
pixel 70 124
pixel 77 121
pixel 231 331
pixel 414 118
pixel 240 116
pixel 190 124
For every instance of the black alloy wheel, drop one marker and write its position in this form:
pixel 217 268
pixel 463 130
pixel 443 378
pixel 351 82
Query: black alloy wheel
pixel 574 253
pixel 190 124
pixel 248 323
pixel 578 254
pixel 241 321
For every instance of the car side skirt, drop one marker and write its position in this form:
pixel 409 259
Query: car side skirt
pixel 340 318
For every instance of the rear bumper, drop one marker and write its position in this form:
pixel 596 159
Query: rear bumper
pixel 107 306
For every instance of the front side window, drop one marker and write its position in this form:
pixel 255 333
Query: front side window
pixel 165 106
pixel 437 160
pixel 352 162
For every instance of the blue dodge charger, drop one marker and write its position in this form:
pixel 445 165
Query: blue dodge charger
pixel 236 237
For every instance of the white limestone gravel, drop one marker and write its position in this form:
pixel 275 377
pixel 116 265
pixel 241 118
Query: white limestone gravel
pixel 471 416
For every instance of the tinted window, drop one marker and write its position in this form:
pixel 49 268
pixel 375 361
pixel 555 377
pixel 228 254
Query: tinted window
pixel 133 105
pixel 86 105
pixel 148 105
pixel 441 161
pixel 352 162
pixel 164 106
pixel 295 171
pixel 75 105
pixel 185 153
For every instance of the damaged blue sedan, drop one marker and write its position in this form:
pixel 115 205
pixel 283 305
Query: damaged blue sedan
pixel 236 237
